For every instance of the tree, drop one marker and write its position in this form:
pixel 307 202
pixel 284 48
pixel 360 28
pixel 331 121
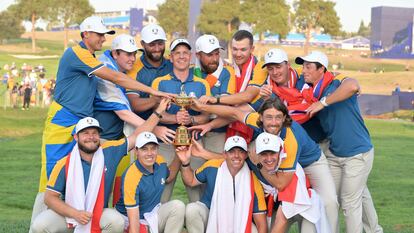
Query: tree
pixel 10 25
pixel 173 16
pixel 220 18
pixel 315 14
pixel 32 10
pixel 363 30
pixel 70 12
pixel 267 16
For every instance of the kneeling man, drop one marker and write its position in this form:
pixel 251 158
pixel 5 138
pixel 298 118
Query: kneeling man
pixel 142 186
pixel 80 183
pixel 233 198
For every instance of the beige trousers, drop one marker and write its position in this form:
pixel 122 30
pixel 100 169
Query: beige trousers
pixel 196 218
pixel 321 180
pixel 50 221
pixel 350 175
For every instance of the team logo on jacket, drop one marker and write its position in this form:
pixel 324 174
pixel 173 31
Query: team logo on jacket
pixel 218 84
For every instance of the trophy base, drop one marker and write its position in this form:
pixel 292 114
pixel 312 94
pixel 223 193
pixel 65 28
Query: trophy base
pixel 182 137
pixel 181 143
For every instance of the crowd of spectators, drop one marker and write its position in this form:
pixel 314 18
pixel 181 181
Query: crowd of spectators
pixel 26 86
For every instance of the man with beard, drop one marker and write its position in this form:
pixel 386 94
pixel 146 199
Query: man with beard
pixel 248 78
pixel 210 67
pixel 76 85
pixel 80 184
pixel 151 65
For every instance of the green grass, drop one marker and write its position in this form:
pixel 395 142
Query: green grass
pixel 390 182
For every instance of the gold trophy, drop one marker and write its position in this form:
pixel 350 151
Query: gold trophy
pixel 182 137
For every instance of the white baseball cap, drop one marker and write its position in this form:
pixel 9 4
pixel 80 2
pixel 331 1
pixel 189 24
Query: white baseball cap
pixel 179 41
pixel 268 142
pixel 235 141
pixel 275 56
pixel 145 138
pixel 152 32
pixel 124 42
pixel 314 56
pixel 207 44
pixel 87 122
pixel 95 24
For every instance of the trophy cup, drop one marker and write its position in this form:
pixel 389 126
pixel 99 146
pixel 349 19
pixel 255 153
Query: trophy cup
pixel 182 137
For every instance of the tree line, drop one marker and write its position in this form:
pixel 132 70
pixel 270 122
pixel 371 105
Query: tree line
pixel 219 17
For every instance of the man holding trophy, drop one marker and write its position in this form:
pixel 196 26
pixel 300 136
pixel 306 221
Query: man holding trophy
pixel 187 86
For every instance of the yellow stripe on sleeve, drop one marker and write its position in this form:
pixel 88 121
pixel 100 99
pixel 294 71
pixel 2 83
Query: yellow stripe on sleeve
pixel 113 143
pixel 291 147
pixel 231 86
pixel 160 159
pixel 259 75
pixel 205 83
pixel 135 69
pixel 258 189
pixel 86 57
pixel 131 181
pixel 252 119
pixel 156 83
pixel 55 172
pixel 211 163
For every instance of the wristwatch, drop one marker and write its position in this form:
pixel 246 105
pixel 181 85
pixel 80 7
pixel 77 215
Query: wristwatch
pixel 323 101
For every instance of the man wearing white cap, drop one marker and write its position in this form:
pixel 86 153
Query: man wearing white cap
pixel 248 78
pixel 111 106
pixel 210 67
pixel 74 94
pixel 150 65
pixel 142 186
pixel 80 184
pixel 351 154
pixel 181 81
pixel 233 198
pixel 292 192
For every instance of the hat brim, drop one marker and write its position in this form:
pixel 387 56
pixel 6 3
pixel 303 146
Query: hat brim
pixel 150 41
pixel 299 60
pixel 267 149
pixel 210 50
pixel 272 62
pixel 139 147
pixel 93 126
pixel 181 43
pixel 235 147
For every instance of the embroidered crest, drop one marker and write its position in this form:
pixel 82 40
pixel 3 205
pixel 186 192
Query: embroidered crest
pixel 89 121
pixel 266 140
pixel 236 139
pixel 218 84
pixel 147 135
pixel 212 41
pixel 155 31
pixel 132 41
pixel 270 54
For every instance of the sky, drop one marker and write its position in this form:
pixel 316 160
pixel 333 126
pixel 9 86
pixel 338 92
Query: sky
pixel 350 12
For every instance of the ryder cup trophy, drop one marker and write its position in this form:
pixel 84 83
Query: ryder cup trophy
pixel 182 137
